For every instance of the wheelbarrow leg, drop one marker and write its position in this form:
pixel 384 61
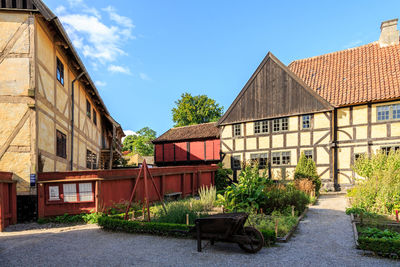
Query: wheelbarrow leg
pixel 198 236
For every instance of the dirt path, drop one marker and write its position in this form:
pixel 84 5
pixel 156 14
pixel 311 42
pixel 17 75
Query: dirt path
pixel 324 238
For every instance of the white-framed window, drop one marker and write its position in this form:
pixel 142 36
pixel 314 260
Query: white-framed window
pixel 388 112
pixel 54 193
pixel 281 158
pixel 85 192
pixel 237 129
pixel 308 154
pixel 261 158
pixel 261 126
pixel 281 125
pixel 306 122
pixel 70 194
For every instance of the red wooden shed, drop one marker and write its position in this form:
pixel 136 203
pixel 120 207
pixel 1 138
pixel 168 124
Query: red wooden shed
pixel 188 145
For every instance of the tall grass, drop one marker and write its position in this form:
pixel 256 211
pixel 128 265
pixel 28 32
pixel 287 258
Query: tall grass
pixel 208 196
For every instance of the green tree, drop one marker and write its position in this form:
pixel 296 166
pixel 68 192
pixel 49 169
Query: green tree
pixel 141 142
pixel 306 169
pixel 195 110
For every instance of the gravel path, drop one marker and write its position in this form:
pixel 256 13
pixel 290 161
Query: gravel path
pixel 324 238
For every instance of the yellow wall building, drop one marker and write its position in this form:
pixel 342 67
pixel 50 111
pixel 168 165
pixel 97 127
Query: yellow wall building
pixel 52 117
pixel 333 107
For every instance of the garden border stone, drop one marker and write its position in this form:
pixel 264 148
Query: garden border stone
pixel 287 237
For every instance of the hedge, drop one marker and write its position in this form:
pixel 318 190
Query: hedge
pixel 163 229
pixel 380 246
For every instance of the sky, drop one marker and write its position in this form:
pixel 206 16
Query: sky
pixel 143 55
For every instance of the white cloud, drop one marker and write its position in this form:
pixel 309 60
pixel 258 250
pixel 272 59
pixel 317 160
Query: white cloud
pixel 128 132
pixel 99 40
pixel 100 83
pixel 144 76
pixel 121 20
pixel 119 69
pixel 353 43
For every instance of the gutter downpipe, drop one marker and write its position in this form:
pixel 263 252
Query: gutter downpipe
pixel 72 119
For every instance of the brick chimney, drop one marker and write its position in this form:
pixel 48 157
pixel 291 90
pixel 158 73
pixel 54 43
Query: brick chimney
pixel 389 33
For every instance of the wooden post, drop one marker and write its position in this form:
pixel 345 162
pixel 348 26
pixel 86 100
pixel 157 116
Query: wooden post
pixel 292 211
pixel 276 227
pixel 146 192
pixel 198 236
pixel 187 219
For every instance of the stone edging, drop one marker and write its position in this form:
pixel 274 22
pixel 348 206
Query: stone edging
pixel 287 237
pixel 355 232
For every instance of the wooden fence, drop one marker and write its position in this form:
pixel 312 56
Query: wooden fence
pixel 84 191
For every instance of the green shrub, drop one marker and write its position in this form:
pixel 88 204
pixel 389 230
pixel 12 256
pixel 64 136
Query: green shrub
pixel 379 190
pixel 355 211
pixel 306 169
pixel 248 192
pixel 267 222
pixel 283 198
pixel 222 179
pixel 177 210
pixel 269 237
pixel 381 246
pixel 90 218
pixel 207 196
pixel 155 228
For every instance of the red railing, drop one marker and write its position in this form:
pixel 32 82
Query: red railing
pixel 114 186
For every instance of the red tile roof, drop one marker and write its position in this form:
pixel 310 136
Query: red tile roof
pixel 356 75
pixel 191 132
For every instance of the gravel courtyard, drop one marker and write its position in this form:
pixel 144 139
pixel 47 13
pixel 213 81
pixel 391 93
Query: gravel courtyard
pixel 324 238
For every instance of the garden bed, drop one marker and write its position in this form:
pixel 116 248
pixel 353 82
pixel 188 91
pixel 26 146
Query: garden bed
pixel 373 235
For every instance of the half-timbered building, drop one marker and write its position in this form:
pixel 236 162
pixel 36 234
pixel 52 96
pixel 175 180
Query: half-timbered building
pixel 52 118
pixel 333 108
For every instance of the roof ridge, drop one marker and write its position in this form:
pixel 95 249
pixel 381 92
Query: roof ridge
pixel 334 53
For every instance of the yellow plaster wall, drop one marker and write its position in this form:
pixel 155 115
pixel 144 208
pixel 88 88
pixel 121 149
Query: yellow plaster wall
pixel 291 139
pixel 239 144
pixel 378 131
pixel 250 128
pixel 227 131
pixel 361 132
pixel 344 157
pixel 263 142
pixel 277 140
pixel 345 134
pixel 305 139
pixel 251 143
pixel 319 134
pixel 323 156
pixel 293 123
pixel 360 114
pixel 321 121
pixel 343 116
pixel 228 143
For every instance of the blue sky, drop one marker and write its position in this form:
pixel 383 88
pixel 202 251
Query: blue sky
pixel 144 54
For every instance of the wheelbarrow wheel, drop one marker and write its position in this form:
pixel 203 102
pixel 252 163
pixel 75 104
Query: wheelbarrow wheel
pixel 256 240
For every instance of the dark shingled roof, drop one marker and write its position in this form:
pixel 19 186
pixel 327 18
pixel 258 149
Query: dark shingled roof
pixel 192 132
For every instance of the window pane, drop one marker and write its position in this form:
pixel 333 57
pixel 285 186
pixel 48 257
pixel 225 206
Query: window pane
pixel 286 158
pixel 265 126
pixel 396 111
pixel 277 125
pixel 70 193
pixel 276 158
pixel 85 192
pixel 306 122
pixel 88 159
pixel 236 130
pixel 257 127
pixel 383 113
pixel 263 160
pixel 285 124
pixel 236 162
pixel 308 154
pixel 54 193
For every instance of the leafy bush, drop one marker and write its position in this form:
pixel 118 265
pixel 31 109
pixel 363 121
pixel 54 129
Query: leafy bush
pixel 379 190
pixel 177 210
pixel 248 192
pixel 207 196
pixel 384 242
pixel 280 198
pixel 156 228
pixel 355 211
pixel 90 218
pixel 222 179
pixel 306 169
pixel 305 185
pixel 267 222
